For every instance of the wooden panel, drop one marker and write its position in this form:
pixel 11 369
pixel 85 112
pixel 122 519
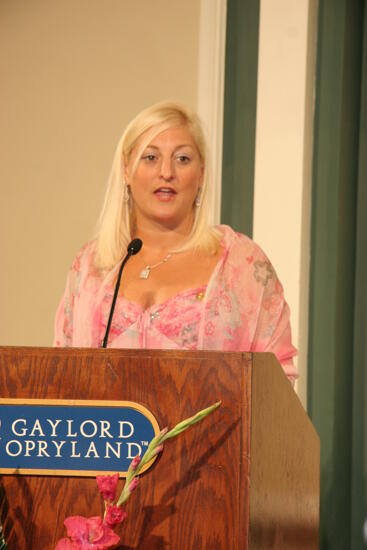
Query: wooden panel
pixel 196 494
pixel 285 464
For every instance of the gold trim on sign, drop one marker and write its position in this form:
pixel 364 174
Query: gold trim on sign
pixel 83 403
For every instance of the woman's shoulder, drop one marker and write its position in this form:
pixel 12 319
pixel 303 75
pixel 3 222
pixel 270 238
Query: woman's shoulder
pixel 84 259
pixel 238 244
pixel 245 257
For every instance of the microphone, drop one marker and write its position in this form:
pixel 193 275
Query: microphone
pixel 133 248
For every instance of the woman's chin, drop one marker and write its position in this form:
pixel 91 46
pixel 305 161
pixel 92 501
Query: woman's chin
pixel 171 220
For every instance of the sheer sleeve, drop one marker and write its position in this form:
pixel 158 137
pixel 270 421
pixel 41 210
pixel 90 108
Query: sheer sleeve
pixel 245 308
pixel 63 336
pixel 273 331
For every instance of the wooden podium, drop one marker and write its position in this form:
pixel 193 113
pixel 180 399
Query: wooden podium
pixel 246 477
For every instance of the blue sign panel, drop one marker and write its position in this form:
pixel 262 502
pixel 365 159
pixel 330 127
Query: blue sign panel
pixel 74 438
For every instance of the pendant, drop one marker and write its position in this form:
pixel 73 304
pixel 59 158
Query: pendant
pixel 145 272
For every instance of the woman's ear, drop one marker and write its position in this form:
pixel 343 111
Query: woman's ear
pixel 202 172
pixel 126 175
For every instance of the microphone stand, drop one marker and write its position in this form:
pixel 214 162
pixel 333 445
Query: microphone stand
pixel 133 248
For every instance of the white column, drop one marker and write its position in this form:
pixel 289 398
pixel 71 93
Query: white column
pixel 212 43
pixel 283 159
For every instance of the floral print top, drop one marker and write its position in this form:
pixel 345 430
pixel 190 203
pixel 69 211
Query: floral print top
pixel 242 308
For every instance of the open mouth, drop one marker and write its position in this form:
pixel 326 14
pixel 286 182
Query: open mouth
pixel 165 191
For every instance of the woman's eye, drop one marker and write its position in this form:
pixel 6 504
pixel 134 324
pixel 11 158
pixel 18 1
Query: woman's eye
pixel 183 159
pixel 149 157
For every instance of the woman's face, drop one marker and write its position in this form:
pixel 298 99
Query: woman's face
pixel 166 180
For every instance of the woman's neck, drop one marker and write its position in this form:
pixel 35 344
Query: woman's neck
pixel 160 238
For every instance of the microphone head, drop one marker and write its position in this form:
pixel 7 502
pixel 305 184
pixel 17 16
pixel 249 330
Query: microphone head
pixel 134 247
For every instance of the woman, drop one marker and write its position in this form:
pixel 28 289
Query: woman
pixel 192 286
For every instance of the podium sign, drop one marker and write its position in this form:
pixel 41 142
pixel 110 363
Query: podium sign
pixel 63 437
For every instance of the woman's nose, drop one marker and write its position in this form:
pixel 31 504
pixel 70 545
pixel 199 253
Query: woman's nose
pixel 167 169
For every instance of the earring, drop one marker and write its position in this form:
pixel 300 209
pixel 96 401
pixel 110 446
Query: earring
pixel 126 192
pixel 198 198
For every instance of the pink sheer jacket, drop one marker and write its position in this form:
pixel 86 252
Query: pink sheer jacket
pixel 242 308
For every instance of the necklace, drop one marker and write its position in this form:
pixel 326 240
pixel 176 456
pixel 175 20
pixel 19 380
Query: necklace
pixel 145 272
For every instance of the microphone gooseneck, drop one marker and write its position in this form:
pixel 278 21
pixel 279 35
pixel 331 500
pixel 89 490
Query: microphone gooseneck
pixel 133 248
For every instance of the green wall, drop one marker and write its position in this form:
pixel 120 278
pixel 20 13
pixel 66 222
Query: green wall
pixel 337 366
pixel 242 37
pixel 333 258
pixel 359 414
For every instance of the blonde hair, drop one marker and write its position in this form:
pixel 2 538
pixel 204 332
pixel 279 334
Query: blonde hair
pixel 116 222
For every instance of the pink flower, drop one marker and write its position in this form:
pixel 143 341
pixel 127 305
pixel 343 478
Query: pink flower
pixel 87 534
pixel 209 329
pixel 157 450
pixel 135 462
pixel 114 515
pixel 107 486
pixel 133 485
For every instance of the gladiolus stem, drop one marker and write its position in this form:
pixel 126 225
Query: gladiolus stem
pixel 156 446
